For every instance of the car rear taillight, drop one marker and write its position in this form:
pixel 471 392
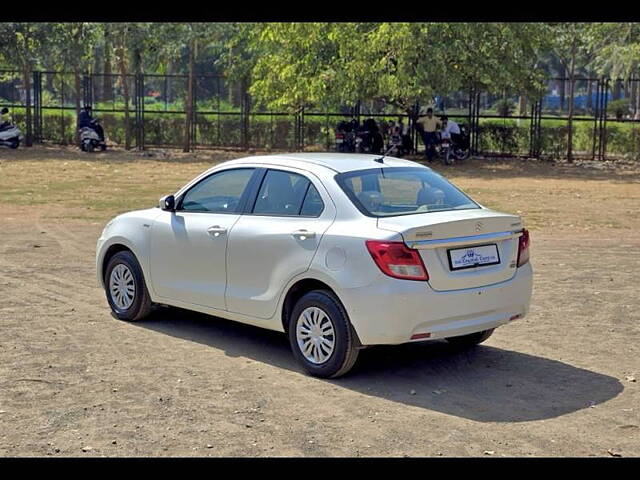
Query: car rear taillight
pixel 397 260
pixel 523 248
pixel 339 135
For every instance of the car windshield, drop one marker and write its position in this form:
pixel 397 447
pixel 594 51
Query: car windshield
pixel 385 192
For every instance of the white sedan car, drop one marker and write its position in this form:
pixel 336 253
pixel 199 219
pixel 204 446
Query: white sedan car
pixel 339 251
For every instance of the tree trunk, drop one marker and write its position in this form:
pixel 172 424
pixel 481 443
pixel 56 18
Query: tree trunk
pixel 189 105
pixel 617 89
pixel 522 105
pixel 589 93
pixel 76 79
pixel 167 84
pixel 28 117
pixel 107 81
pixel 572 84
pixel 125 90
pixel 561 91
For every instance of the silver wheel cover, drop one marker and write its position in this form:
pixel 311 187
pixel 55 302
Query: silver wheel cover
pixel 122 286
pixel 315 335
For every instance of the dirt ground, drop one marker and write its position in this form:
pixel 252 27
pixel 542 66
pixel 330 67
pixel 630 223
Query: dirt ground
pixel 74 381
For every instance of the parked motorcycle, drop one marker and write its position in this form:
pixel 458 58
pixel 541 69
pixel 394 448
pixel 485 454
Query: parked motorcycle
pixel 369 139
pixel 446 151
pixel 395 145
pixel 345 138
pixel 462 147
pixel 10 136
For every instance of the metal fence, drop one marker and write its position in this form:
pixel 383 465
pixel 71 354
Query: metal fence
pixel 605 117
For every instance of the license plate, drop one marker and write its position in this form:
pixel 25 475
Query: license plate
pixel 469 257
pixel 339 140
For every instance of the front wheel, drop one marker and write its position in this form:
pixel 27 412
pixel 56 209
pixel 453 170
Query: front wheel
pixel 470 340
pixel 321 335
pixel 15 144
pixel 125 287
pixel 447 157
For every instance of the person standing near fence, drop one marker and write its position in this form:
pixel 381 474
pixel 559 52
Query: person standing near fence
pixel 429 126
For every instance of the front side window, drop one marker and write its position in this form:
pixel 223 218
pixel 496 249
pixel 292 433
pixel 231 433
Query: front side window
pixel 218 193
pixel 384 192
pixel 287 194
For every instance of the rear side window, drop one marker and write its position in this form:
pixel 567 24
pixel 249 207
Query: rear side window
pixel 287 194
pixel 218 193
pixel 385 192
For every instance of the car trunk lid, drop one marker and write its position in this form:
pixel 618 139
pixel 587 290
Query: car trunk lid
pixel 444 237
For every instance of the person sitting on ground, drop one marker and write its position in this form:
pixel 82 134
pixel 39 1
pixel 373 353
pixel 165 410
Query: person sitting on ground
pixel 429 129
pixel 85 120
pixel 5 118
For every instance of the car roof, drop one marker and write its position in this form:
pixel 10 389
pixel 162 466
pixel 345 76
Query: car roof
pixel 339 162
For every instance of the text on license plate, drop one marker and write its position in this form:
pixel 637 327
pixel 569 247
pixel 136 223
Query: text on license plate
pixel 470 257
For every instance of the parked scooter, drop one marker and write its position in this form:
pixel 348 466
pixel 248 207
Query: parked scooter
pixel 10 136
pixel 90 140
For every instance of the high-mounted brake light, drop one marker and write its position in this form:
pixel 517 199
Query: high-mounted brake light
pixel 397 260
pixel 523 248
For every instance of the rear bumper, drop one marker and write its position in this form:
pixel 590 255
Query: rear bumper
pixel 391 311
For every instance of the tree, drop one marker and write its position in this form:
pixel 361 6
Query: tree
pixel 619 55
pixel 21 42
pixel 73 42
pixel 301 64
pixel 576 46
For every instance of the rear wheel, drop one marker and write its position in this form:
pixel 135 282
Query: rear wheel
pixel 321 335
pixel 125 287
pixel 470 340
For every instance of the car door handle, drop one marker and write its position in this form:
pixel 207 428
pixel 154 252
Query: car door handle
pixel 216 231
pixel 303 234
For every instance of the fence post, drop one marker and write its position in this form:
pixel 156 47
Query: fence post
pixel 596 115
pixel 413 120
pixel 87 90
pixel 37 100
pixel 534 131
pixel 603 142
pixel 302 139
pixel 139 109
pixel 244 100
pixel 194 103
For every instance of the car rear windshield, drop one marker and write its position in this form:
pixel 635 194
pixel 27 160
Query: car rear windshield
pixel 386 192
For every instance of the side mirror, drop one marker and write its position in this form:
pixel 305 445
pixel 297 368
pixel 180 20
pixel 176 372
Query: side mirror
pixel 168 203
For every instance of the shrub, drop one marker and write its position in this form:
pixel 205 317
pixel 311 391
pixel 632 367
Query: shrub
pixel 504 107
pixel 618 108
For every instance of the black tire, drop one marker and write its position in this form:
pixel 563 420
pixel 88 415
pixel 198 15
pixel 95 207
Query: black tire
pixel 141 306
pixel 89 147
pixel 447 157
pixel 345 352
pixel 470 340
pixel 103 147
pixel 15 144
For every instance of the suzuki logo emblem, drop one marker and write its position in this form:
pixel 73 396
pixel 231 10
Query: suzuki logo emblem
pixel 479 226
